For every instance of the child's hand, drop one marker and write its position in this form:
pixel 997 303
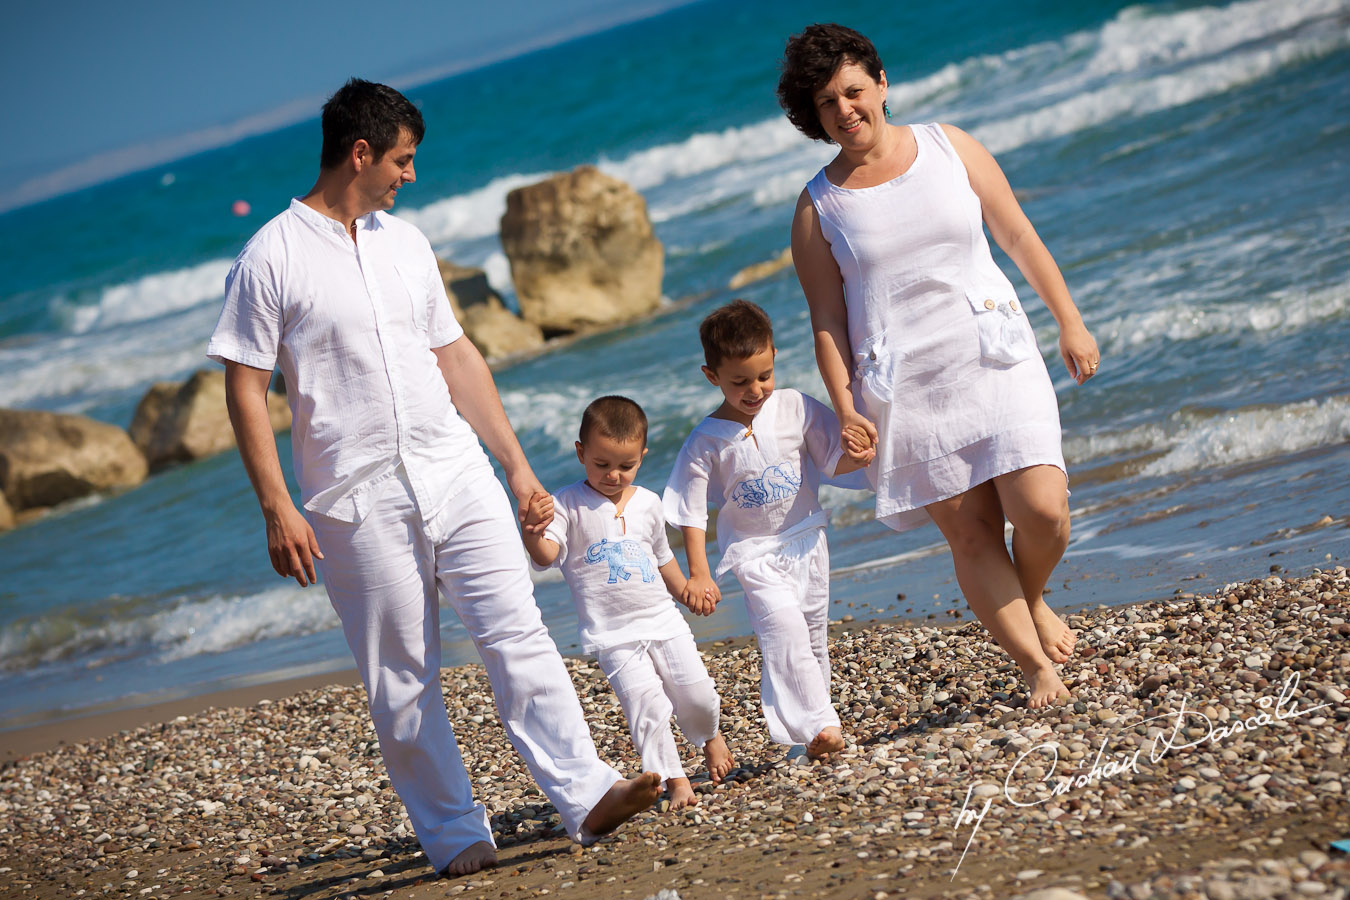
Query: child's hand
pixel 539 512
pixel 858 445
pixel 701 595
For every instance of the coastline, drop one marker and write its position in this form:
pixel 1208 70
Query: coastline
pixel 286 795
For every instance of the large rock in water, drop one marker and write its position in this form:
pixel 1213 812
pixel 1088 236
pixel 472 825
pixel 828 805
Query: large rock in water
pixel 47 458
pixel 182 422
pixel 494 329
pixel 582 251
pixel 6 513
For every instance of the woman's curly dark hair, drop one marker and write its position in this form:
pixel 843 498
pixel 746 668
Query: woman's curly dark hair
pixel 810 60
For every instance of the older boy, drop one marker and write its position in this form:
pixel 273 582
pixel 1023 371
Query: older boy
pixel 609 537
pixel 761 455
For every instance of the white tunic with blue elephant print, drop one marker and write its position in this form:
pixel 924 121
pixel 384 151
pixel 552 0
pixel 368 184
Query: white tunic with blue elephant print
pixel 765 478
pixel 610 563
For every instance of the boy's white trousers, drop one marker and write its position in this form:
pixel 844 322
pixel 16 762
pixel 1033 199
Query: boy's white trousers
pixel 787 597
pixel 654 679
pixel 382 576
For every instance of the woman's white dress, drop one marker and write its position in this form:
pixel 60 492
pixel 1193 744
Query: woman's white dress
pixel 945 361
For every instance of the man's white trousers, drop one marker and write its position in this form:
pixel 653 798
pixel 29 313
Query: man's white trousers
pixel 382 576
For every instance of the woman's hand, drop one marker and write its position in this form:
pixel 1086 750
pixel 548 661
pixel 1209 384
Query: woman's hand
pixel 1079 351
pixel 857 432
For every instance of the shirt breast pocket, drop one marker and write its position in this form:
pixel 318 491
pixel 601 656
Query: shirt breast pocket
pixel 415 298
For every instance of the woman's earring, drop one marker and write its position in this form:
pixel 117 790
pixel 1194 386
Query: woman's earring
pixel 886 109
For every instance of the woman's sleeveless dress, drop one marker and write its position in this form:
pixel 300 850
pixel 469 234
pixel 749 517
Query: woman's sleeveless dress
pixel 945 362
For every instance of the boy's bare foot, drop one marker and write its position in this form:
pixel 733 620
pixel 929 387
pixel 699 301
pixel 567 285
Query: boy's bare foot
pixel 718 758
pixel 473 858
pixel 627 798
pixel 1057 639
pixel 681 794
pixel 1046 687
pixel 830 740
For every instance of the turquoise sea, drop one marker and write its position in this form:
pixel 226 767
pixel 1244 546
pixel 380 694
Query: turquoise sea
pixel 1187 164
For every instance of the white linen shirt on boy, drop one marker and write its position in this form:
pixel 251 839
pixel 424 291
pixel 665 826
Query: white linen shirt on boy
pixel 610 563
pixel 765 478
pixel 352 325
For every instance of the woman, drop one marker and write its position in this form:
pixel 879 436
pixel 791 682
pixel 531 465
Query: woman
pixel 921 341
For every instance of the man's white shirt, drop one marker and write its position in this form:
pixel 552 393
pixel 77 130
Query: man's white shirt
pixel 352 325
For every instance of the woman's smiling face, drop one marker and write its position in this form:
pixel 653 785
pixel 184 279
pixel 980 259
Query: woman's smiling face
pixel 850 106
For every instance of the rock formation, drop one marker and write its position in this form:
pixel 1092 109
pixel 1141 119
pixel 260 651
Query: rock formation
pixel 182 422
pixel 47 458
pixel 6 513
pixel 761 270
pixel 582 251
pixel 494 329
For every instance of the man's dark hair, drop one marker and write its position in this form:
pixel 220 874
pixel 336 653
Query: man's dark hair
pixel 810 61
pixel 738 330
pixel 364 110
pixel 617 418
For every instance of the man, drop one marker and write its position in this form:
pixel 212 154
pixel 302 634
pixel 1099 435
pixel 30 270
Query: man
pixel 389 400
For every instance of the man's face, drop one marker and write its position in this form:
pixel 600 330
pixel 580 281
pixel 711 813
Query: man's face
pixel 380 179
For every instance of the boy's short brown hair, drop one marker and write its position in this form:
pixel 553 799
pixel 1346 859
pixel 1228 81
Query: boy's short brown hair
pixel 738 330
pixel 617 418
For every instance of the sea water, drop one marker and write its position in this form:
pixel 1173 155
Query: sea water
pixel 1186 164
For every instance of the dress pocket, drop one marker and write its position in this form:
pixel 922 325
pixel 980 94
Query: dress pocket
pixel 874 370
pixel 1005 334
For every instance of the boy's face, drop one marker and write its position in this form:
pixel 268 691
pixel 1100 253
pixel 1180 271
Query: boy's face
pixel 745 383
pixel 611 465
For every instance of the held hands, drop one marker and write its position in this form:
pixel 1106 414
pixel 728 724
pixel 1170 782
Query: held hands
pixel 538 512
pixel 291 545
pixel 1079 350
pixel 859 446
pixel 701 595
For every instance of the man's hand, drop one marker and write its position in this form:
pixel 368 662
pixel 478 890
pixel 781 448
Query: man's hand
pixel 701 595
pixel 538 513
pixel 291 545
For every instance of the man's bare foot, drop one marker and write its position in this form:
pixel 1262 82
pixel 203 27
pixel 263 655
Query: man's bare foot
pixel 1057 639
pixel 681 794
pixel 473 858
pixel 830 740
pixel 1046 687
pixel 627 798
pixel 718 758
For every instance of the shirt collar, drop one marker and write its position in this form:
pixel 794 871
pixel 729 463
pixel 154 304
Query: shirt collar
pixel 324 223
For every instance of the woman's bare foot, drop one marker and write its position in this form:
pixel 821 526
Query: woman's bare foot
pixel 627 798
pixel 681 794
pixel 718 758
pixel 473 858
pixel 830 740
pixel 1057 639
pixel 1046 687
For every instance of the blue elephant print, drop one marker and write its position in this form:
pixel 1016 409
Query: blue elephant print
pixel 621 556
pixel 775 483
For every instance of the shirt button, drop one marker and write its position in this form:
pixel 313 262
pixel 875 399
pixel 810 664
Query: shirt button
pixel 1012 304
pixel 872 355
pixel 989 304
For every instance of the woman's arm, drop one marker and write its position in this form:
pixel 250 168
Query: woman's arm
pixel 824 289
pixel 1012 231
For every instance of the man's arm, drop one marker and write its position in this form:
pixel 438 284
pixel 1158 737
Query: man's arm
pixel 290 541
pixel 474 394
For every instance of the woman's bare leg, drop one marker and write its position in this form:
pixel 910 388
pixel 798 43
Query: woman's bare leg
pixel 1036 502
pixel 972 523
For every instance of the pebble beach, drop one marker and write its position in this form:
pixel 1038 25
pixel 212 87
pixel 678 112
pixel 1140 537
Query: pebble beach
pixel 1203 755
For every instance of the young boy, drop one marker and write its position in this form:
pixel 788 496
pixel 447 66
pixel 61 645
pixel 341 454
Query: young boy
pixel 609 538
pixel 760 455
